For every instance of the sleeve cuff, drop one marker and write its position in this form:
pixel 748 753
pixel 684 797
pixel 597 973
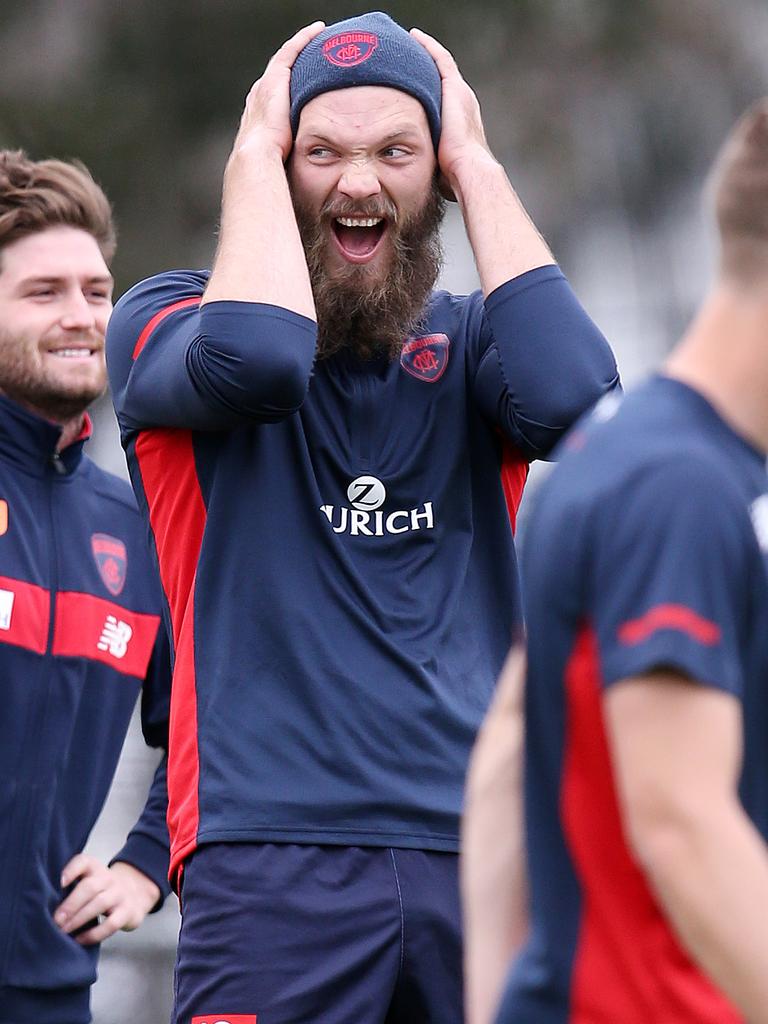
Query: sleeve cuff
pixel 151 858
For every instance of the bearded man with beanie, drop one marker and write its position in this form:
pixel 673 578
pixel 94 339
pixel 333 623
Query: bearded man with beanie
pixel 330 455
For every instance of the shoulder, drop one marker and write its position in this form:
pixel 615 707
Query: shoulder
pixel 646 458
pixel 149 299
pixel 108 487
pixel 455 315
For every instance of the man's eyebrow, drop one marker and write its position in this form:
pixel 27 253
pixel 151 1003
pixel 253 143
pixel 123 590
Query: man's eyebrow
pixel 58 278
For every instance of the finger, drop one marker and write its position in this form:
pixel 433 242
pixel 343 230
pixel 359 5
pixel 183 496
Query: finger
pixel 80 864
pixel 90 887
pixel 100 903
pixel 107 926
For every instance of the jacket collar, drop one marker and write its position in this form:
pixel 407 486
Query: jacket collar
pixel 30 441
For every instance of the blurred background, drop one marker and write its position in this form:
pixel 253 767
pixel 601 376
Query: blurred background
pixel 606 114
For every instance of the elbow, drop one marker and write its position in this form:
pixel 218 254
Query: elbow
pixel 665 835
pixel 278 386
pixel 565 409
pixel 257 381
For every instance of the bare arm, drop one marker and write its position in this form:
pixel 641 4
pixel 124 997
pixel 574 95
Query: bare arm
pixel 492 851
pixel 260 257
pixel 677 750
pixel 504 239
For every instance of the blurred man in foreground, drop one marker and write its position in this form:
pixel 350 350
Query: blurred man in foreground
pixel 646 732
pixel 329 453
pixel 79 607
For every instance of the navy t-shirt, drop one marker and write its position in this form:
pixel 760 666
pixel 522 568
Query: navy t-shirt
pixel 646 550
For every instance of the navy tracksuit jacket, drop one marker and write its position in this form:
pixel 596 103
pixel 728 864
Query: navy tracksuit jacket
pixel 79 617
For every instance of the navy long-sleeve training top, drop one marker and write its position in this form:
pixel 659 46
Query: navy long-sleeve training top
pixel 335 545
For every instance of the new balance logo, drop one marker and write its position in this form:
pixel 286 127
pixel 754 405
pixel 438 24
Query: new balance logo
pixel 6 608
pixel 115 637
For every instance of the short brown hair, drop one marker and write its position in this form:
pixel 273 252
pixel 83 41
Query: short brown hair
pixel 39 194
pixel 740 188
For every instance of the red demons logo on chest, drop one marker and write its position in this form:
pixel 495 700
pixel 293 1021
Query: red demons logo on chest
pixel 426 358
pixel 350 48
pixel 111 561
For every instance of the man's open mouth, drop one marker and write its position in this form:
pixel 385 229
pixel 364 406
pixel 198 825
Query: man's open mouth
pixel 358 238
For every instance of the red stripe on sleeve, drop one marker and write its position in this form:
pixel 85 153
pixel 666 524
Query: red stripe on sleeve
pixel 514 473
pixel 628 965
pixel 91 627
pixel 670 616
pixel 159 317
pixel 177 517
pixel 24 614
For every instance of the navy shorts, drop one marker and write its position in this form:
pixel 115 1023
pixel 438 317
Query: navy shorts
pixel 44 1006
pixel 293 934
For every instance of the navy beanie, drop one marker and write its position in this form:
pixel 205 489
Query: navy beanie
pixel 371 49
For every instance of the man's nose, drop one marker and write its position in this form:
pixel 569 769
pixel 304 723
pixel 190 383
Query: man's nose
pixel 77 312
pixel 359 181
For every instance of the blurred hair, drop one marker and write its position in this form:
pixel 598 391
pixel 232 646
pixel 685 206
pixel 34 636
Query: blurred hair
pixel 739 183
pixel 40 194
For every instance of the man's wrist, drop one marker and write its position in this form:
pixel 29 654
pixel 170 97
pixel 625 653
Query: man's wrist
pixel 143 884
pixel 474 171
pixel 257 151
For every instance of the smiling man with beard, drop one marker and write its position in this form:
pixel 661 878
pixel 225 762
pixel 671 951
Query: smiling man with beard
pixel 330 455
pixel 79 607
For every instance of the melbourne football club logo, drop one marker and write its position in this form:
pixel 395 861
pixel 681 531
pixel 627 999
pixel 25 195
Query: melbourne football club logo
pixel 426 358
pixel 111 561
pixel 350 48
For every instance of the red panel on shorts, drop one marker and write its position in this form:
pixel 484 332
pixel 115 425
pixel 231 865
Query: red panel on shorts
pixel 24 614
pixel 91 627
pixel 225 1018
pixel 177 515
pixel 628 965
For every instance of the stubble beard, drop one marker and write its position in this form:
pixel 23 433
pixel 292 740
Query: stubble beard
pixel 360 308
pixel 35 388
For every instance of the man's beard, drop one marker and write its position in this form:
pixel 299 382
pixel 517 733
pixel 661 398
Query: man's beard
pixel 362 309
pixel 34 387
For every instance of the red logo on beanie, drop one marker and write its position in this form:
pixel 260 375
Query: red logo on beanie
pixel 349 48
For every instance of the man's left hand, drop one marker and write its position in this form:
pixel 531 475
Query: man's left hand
pixel 118 897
